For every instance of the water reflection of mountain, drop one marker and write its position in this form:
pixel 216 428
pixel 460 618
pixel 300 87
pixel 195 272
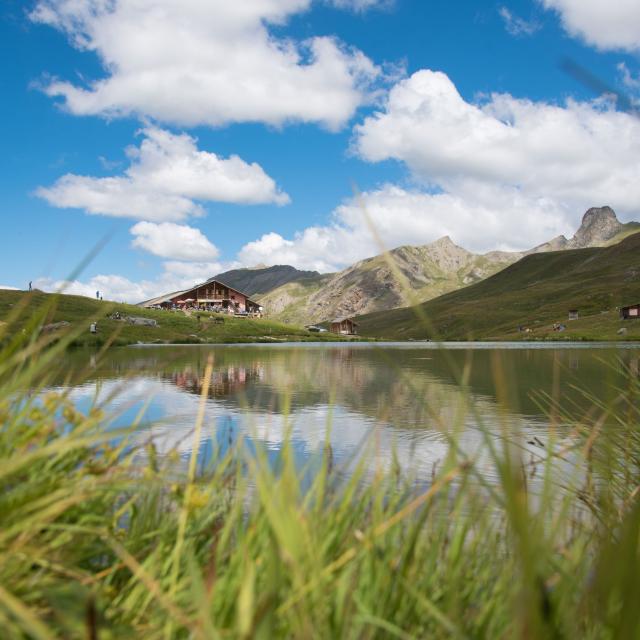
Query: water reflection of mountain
pixel 403 386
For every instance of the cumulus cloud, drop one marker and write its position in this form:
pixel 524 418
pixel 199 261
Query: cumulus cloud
pixel 605 25
pixel 517 26
pixel 321 249
pixel 480 218
pixel 167 177
pixel 502 174
pixel 577 154
pixel 175 276
pixel 169 240
pixel 208 62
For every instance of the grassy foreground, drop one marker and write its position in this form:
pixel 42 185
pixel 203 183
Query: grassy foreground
pixel 172 328
pixel 101 539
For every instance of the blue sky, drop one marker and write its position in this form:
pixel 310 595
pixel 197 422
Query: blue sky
pixel 197 135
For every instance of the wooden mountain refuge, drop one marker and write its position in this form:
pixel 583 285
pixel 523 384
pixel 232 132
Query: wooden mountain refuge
pixel 632 312
pixel 574 314
pixel 211 295
pixel 344 326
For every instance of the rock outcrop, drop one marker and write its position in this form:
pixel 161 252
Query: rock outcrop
pixel 599 225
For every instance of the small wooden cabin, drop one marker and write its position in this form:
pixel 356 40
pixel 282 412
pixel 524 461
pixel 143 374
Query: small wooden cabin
pixel 211 295
pixel 344 326
pixel 632 312
pixel 574 314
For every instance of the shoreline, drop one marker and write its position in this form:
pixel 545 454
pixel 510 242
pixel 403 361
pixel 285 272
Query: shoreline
pixel 430 344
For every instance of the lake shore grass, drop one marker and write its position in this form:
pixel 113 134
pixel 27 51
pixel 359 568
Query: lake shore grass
pixel 102 538
pixel 62 313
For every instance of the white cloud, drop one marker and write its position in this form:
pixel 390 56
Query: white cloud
pixel 111 287
pixel 169 240
pixel 175 277
pixel 191 272
pixel 605 25
pixel 6 287
pixel 479 218
pixel 316 248
pixel 361 5
pixel 211 62
pixel 166 178
pixel 517 26
pixel 630 81
pixel 505 174
pixel 578 154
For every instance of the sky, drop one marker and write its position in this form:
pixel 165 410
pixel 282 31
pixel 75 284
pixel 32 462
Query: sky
pixel 151 144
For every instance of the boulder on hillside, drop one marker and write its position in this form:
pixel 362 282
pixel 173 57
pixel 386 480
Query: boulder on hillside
pixel 143 322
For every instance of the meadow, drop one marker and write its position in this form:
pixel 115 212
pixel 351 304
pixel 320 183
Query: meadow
pixel 63 313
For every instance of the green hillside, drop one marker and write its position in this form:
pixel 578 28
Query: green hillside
pixel 533 293
pixel 627 230
pixel 19 309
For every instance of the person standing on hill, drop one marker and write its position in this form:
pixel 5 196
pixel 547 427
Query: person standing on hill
pixel 30 285
pixel 97 295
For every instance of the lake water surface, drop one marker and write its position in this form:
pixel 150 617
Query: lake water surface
pixel 401 400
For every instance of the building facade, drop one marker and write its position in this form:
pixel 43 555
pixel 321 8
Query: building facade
pixel 630 312
pixel 211 295
pixel 344 326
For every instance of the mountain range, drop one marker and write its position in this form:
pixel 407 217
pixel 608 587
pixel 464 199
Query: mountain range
pixel 402 277
pixel 577 290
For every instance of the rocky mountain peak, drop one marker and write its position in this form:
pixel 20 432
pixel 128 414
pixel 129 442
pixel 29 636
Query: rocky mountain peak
pixel 597 215
pixel 599 224
pixel 445 241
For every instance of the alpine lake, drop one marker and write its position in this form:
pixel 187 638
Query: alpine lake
pixel 404 404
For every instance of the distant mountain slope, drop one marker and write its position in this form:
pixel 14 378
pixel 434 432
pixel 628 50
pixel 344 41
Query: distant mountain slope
pixel 371 284
pixel 538 289
pixel 263 279
pixel 289 302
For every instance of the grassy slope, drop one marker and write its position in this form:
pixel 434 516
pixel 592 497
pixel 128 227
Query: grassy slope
pixel 535 292
pixel 628 229
pixel 172 327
